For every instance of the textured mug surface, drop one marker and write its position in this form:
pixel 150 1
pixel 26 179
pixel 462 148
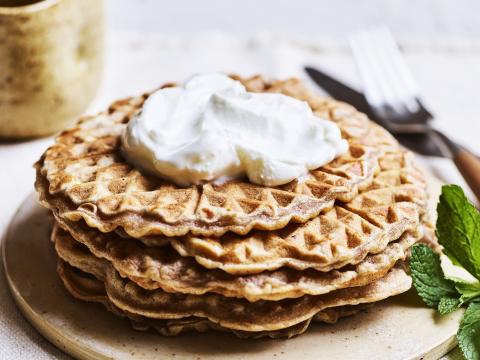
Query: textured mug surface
pixel 51 55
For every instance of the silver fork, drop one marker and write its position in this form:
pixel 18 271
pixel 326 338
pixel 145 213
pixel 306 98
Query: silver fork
pixel 393 96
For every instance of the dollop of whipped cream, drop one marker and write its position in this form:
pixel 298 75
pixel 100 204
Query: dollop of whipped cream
pixel 211 129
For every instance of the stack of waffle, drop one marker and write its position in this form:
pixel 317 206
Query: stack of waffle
pixel 239 257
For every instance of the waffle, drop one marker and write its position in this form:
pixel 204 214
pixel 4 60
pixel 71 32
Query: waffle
pixel 163 268
pixel 232 313
pixel 83 287
pixel 84 176
pixel 394 202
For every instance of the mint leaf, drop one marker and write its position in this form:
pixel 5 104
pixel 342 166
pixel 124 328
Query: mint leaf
pixel 468 334
pixel 428 277
pixel 469 291
pixel 458 229
pixel 447 305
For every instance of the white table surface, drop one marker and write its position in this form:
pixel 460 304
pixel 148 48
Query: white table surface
pixel 144 50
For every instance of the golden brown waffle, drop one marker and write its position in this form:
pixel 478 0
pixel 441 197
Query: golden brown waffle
pixel 233 313
pixel 83 287
pixel 84 176
pixel 391 205
pixel 153 267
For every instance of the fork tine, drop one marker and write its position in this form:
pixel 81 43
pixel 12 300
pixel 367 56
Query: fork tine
pixel 398 60
pixel 396 71
pixel 367 63
pixel 385 65
pixel 400 76
pixel 383 69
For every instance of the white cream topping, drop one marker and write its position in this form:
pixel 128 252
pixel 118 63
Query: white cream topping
pixel 211 128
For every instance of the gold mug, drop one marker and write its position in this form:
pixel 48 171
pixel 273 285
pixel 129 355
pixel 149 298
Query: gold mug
pixel 51 55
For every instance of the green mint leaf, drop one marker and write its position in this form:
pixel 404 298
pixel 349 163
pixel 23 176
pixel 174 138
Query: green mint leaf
pixel 428 277
pixel 447 305
pixel 468 334
pixel 458 229
pixel 468 291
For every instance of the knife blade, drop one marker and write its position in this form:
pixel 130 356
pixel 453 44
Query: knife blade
pixel 423 143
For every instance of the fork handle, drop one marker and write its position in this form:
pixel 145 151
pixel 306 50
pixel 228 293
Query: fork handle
pixel 469 166
pixel 467 163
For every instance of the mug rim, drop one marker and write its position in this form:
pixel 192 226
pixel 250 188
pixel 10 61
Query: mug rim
pixel 29 8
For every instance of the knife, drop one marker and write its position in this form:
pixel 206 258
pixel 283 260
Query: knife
pixel 424 143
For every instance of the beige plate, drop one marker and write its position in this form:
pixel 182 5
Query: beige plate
pixel 400 328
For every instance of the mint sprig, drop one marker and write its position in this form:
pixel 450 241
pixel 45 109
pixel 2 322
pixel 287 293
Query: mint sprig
pixel 458 230
pixel 469 332
pixel 447 305
pixel 428 277
pixel 469 291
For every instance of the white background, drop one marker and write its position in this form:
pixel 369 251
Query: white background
pixel 306 18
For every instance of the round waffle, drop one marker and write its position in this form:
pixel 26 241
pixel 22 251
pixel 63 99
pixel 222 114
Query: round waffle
pixel 163 268
pixel 394 202
pixel 232 313
pixel 84 176
pixel 83 287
